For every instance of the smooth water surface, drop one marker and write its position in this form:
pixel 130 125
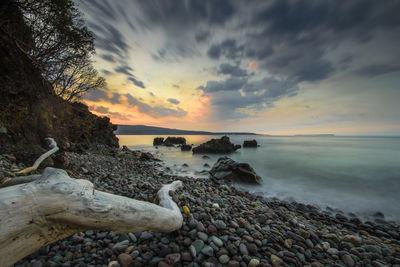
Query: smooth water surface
pixel 354 174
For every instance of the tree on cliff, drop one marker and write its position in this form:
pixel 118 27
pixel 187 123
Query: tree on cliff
pixel 62 46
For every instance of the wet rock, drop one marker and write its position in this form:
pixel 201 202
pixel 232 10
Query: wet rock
pixel 275 260
pixel 158 141
pixel 222 145
pixel 124 259
pixel 355 240
pixel 348 260
pixel 186 147
pixel 250 143
pixel 228 169
pixel 254 263
pixel 170 141
pixel 173 259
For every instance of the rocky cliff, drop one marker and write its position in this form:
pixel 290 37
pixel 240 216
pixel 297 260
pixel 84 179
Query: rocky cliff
pixel 29 110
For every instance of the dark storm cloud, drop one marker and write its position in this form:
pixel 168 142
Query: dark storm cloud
pixel 97 95
pixel 155 111
pixel 377 69
pixel 228 48
pixel 230 84
pixel 124 70
pixel 127 70
pixel 202 36
pixel 106 72
pixel 233 70
pixel 108 58
pixel 233 94
pixel 312 29
pixel 137 82
pixel 187 13
pixel 173 101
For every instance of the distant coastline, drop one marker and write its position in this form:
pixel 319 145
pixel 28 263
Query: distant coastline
pixel 152 130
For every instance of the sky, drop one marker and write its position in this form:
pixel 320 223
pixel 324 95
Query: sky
pixel 275 67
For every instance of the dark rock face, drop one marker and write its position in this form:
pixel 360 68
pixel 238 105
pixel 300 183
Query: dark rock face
pixel 222 145
pixel 158 141
pixel 29 109
pixel 228 169
pixel 186 147
pixel 170 141
pixel 250 143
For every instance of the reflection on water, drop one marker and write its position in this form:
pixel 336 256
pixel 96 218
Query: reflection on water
pixel 354 174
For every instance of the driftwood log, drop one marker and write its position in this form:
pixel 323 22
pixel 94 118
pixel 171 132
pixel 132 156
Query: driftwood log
pixel 52 206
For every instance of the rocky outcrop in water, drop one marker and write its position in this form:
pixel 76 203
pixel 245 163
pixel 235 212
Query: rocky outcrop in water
pixel 228 169
pixel 222 145
pixel 169 141
pixel 250 143
pixel 186 147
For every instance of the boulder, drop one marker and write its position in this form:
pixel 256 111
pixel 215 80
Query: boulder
pixel 228 169
pixel 170 141
pixel 158 141
pixel 186 147
pixel 222 145
pixel 250 143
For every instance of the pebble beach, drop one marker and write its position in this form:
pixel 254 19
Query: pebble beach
pixel 223 226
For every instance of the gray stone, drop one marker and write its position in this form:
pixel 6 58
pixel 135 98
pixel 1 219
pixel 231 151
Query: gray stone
pixel 198 245
pixel 216 241
pixel 207 250
pixel 243 249
pixel 223 259
pixel 220 224
pixel 202 236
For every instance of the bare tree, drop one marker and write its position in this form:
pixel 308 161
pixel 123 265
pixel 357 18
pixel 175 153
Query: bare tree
pixel 63 46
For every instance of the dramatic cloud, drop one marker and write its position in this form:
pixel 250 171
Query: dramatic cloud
pixel 137 82
pixel 173 101
pixel 232 70
pixel 155 111
pixel 246 56
pixel 228 48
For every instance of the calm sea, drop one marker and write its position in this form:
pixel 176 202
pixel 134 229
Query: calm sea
pixel 354 174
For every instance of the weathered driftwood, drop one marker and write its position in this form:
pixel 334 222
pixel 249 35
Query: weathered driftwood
pixel 54 206
pixel 54 149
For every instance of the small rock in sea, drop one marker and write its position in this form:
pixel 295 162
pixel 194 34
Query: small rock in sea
pixel 206 165
pixel 185 165
pixel 250 143
pixel 124 259
pixel 205 157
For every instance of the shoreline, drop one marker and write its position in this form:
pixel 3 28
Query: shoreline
pixel 225 226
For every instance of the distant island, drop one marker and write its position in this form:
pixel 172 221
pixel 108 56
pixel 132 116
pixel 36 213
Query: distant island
pixel 152 130
pixel 314 135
